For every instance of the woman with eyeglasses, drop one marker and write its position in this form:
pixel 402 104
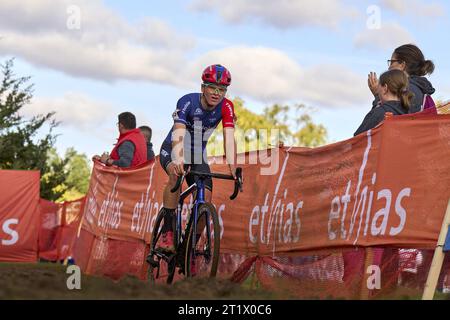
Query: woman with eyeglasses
pixel 409 58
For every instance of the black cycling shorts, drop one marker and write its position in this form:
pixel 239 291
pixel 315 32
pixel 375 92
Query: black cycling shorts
pixel 165 157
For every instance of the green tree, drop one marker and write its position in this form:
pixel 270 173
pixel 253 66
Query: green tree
pixel 308 133
pixel 78 175
pixel 52 180
pixel 290 125
pixel 67 178
pixel 20 149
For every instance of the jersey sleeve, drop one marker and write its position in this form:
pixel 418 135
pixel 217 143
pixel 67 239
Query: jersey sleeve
pixel 228 116
pixel 181 113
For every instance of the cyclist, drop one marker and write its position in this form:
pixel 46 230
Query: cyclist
pixel 195 118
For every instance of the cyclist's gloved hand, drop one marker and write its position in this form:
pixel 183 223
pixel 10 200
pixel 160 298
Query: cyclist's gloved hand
pixel 232 170
pixel 177 167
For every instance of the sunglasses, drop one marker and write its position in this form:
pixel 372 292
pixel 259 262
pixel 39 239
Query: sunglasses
pixel 216 89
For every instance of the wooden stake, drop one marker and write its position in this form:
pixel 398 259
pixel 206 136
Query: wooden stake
pixel 438 259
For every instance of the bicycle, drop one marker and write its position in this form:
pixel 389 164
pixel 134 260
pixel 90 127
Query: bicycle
pixel 187 251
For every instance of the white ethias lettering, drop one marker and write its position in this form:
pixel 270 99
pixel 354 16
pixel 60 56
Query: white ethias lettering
pixel 377 223
pixel 360 219
pixel 13 234
pixel 280 223
pixel 110 211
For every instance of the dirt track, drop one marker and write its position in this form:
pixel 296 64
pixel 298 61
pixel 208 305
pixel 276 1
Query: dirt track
pixel 48 281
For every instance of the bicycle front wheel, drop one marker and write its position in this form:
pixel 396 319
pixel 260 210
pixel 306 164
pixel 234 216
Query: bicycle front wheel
pixel 154 263
pixel 203 258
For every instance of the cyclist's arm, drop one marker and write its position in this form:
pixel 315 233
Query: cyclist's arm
pixel 229 145
pixel 229 142
pixel 179 130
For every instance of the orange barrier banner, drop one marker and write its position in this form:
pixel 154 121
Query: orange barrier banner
pixel 386 187
pixel 49 230
pixel 71 215
pixel 122 203
pixel 19 215
pixel 59 227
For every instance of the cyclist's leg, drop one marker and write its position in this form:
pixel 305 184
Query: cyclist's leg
pixel 170 200
pixel 204 167
pixel 201 165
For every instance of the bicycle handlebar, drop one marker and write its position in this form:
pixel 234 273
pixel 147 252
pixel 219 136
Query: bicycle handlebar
pixel 178 184
pixel 237 182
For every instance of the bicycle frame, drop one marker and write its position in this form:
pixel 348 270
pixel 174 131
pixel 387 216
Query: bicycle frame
pixel 199 199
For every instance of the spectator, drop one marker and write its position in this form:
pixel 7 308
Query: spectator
pixel 130 149
pixel 147 132
pixel 409 58
pixel 394 97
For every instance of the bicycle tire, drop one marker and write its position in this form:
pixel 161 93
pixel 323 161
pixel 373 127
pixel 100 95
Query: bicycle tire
pixel 155 235
pixel 211 266
pixel 171 267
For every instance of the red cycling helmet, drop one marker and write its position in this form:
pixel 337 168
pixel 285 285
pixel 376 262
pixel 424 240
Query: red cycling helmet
pixel 217 74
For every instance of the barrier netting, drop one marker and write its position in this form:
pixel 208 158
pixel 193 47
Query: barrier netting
pixel 59 225
pixel 351 274
pixel 109 257
pixel 363 273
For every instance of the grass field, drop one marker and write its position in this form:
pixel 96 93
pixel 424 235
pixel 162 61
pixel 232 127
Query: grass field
pixel 48 281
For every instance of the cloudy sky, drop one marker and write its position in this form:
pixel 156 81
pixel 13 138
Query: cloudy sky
pixel 92 59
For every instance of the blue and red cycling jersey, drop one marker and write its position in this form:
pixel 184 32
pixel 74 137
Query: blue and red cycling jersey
pixel 200 123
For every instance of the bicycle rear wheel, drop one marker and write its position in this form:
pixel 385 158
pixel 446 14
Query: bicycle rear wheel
pixel 204 259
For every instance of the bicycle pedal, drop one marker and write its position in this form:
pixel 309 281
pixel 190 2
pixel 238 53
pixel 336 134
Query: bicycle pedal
pixel 154 263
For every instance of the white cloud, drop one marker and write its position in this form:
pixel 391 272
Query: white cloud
pixel 109 48
pixel 270 75
pixel 334 86
pixel 281 14
pixel 106 47
pixel 414 7
pixel 74 110
pixel 389 36
pixel 263 73
pixel 97 61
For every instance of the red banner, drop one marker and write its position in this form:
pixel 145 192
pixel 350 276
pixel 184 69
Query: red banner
pixel 49 230
pixel 386 187
pixel 59 228
pixel 19 215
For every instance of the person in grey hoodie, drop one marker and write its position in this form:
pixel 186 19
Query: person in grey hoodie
pixel 392 90
pixel 408 58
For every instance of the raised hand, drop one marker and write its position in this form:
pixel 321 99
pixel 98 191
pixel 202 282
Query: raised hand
pixel 372 82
